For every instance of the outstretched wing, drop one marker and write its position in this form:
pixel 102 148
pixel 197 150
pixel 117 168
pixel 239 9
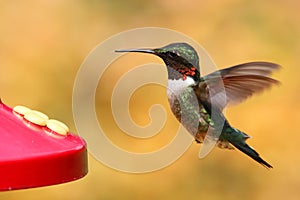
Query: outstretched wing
pixel 235 84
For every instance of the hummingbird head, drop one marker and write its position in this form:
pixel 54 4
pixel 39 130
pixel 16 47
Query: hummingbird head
pixel 181 59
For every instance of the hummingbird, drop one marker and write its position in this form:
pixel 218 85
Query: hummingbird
pixel 198 101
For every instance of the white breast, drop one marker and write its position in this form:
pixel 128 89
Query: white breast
pixel 176 87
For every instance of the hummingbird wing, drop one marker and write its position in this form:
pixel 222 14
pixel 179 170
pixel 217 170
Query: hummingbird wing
pixel 235 84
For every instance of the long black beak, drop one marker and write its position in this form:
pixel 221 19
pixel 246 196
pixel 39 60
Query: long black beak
pixel 137 50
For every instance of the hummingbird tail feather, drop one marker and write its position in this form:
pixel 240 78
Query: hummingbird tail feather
pixel 242 146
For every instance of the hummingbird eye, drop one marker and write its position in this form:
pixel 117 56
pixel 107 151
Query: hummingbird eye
pixel 173 54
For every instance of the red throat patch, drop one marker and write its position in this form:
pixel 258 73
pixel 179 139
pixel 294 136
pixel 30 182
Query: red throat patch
pixel 187 72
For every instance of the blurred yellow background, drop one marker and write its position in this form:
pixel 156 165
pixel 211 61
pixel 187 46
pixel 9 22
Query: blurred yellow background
pixel 43 43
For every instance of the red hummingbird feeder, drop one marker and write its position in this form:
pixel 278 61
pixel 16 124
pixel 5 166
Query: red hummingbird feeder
pixel 37 151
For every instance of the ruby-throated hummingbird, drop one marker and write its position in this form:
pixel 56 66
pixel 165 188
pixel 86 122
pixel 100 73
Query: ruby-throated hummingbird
pixel 197 99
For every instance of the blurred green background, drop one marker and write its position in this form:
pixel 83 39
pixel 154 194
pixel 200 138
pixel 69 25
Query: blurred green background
pixel 43 43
